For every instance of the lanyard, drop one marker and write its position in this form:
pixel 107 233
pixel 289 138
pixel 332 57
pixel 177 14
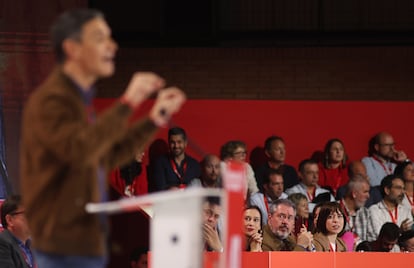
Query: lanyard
pixel 409 199
pixel 394 217
pixel 346 214
pixel 266 202
pixel 28 259
pixel 179 175
pixel 388 170
pixel 311 196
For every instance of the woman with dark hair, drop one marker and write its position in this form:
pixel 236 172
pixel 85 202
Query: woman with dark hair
pixel 333 171
pixel 329 228
pixel 405 171
pixel 252 223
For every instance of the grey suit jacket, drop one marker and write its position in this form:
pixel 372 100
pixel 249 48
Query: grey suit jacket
pixel 10 253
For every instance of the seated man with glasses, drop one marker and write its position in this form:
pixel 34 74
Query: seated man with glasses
pixel 390 209
pixel 277 234
pixel 382 157
pixel 15 239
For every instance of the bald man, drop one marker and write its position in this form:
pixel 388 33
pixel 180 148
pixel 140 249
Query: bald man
pixel 357 169
pixel 382 157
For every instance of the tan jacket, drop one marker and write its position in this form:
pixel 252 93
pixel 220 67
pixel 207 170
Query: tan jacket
pixel 60 155
pixel 321 243
pixel 273 243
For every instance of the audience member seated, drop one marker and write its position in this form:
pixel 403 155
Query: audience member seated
pixel 386 241
pixel 406 241
pixel 309 176
pixel 358 168
pixel 139 258
pixel 273 190
pixel 333 171
pixel 276 153
pixel 211 216
pixel 253 228
pixel 357 216
pixel 210 173
pixel 302 212
pixel 177 169
pixel 277 233
pixel 390 208
pixel 315 215
pixel 237 151
pixel 382 155
pixel 405 171
pixel 131 179
pixel 15 251
pixel 329 227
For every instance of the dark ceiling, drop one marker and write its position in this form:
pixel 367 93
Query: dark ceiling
pixel 260 22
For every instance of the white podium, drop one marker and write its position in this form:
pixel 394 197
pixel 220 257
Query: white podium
pixel 176 238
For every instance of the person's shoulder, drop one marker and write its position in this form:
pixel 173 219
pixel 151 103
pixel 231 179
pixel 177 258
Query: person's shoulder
pixel 289 167
pixel 375 207
pixel 256 196
pixel 341 245
pixel 164 158
pixel 291 190
pixel 6 237
pixel 191 159
pixel 366 159
pixel 262 167
pixel 362 210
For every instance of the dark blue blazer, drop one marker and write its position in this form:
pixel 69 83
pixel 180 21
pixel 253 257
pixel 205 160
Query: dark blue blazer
pixel 165 177
pixel 10 253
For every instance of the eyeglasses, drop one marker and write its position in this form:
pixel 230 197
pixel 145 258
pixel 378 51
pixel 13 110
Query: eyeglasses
pixel 240 153
pixel 387 144
pixel 282 216
pixel 17 213
pixel 398 187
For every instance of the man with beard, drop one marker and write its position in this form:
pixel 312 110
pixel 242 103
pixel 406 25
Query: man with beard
pixel 355 213
pixel 390 209
pixel 357 168
pixel 210 173
pixel 277 233
pixel 382 155
pixel 177 169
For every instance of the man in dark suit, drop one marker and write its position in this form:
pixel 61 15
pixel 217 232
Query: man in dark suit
pixel 176 169
pixel 15 249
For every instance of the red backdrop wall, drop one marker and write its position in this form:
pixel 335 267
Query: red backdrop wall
pixel 305 125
